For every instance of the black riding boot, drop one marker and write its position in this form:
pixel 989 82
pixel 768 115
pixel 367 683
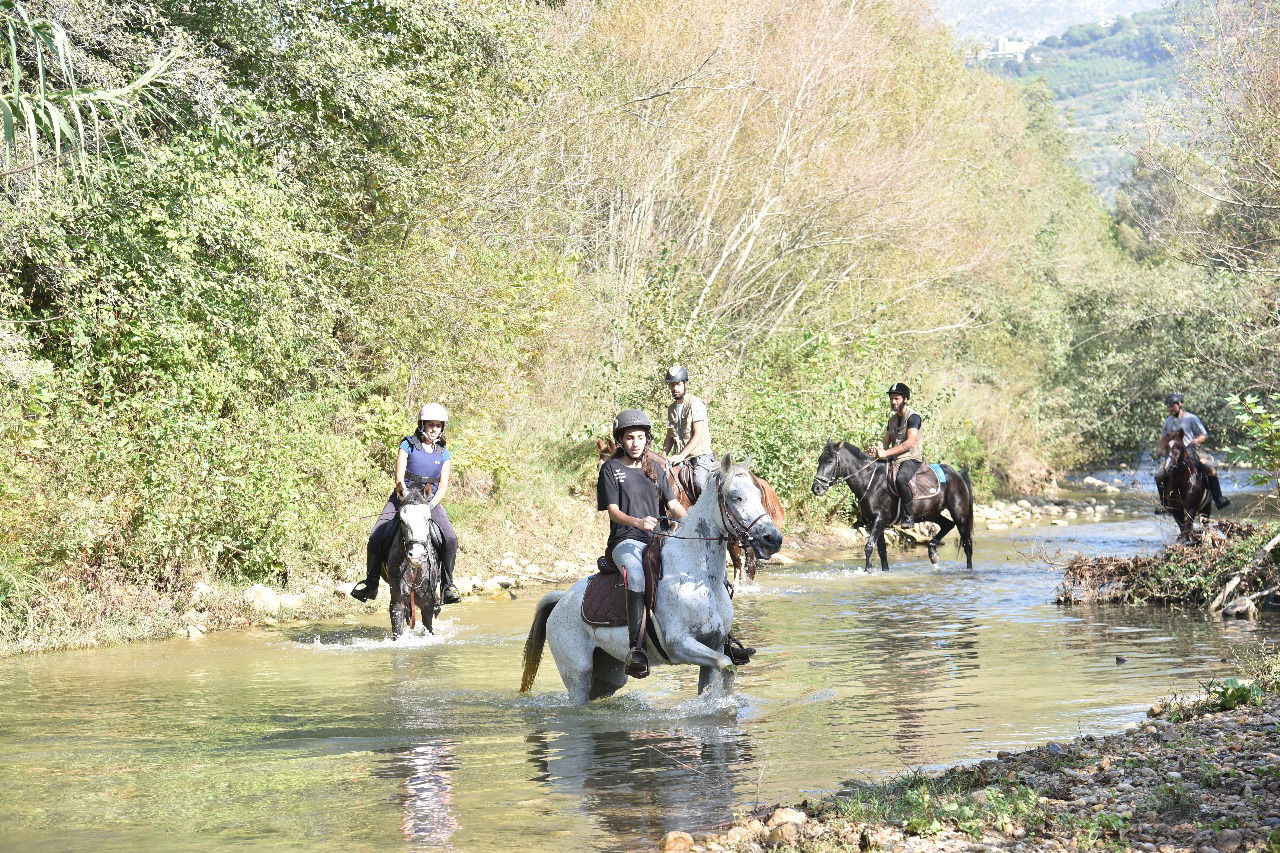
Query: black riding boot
pixel 1160 510
pixel 367 589
pixel 448 592
pixel 637 660
pixel 1215 490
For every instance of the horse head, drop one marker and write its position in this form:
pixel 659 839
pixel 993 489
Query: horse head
pixel 831 467
pixel 605 448
pixel 415 524
pixel 742 511
pixel 1174 445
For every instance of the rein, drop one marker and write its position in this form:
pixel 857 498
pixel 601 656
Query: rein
pixel 730 521
pixel 828 482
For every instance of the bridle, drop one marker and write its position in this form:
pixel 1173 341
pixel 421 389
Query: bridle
pixel 828 482
pixel 730 521
pixel 406 542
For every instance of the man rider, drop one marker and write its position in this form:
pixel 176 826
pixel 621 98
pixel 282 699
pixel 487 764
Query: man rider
pixel 687 432
pixel 1193 435
pixel 902 444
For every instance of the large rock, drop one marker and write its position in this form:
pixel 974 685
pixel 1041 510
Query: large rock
pixel 676 842
pixel 262 599
pixel 786 815
pixel 784 833
pixel 292 600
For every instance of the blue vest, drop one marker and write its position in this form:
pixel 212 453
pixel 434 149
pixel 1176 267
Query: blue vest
pixel 424 463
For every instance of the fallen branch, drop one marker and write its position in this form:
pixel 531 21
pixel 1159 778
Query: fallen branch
pixel 1258 562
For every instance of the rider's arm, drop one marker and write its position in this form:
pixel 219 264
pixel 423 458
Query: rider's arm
pixel 913 438
pixel 697 441
pixel 676 509
pixel 668 442
pixel 617 516
pixel 402 461
pixel 445 470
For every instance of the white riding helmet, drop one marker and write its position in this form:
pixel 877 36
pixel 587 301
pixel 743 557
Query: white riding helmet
pixel 433 412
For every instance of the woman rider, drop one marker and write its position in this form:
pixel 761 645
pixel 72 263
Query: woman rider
pixel 422 461
pixel 634 493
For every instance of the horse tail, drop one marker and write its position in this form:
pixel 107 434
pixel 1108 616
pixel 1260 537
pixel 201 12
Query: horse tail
pixel 537 638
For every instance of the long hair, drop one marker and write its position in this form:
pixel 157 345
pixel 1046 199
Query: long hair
pixel 646 458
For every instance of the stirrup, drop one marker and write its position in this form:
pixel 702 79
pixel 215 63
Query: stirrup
pixel 637 664
pixel 364 592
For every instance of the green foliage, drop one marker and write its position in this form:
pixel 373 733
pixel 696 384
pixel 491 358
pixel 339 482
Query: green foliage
pixel 926 805
pixel 1230 693
pixel 1259 421
pixel 1259 662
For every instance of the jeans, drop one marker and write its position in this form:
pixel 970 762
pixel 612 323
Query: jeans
pixel 628 554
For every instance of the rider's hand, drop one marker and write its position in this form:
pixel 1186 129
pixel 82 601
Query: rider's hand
pixel 649 523
pixel 400 489
pixel 879 452
pixel 675 460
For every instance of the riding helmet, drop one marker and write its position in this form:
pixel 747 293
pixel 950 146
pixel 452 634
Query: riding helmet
pixel 1170 399
pixel 899 388
pixel 433 412
pixel 630 419
pixel 677 373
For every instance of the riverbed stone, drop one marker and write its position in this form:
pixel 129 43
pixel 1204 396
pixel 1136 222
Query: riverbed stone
pixel 784 833
pixel 786 815
pixel 262 599
pixel 676 842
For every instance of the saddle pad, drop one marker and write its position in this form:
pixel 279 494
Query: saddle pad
pixel 925 483
pixel 604 604
pixel 937 469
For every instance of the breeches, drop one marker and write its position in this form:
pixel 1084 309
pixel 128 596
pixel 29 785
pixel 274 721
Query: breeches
pixel 702 467
pixel 628 554
pixel 906 470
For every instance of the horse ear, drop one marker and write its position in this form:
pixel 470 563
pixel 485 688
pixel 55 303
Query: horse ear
pixel 726 464
pixel 601 444
pixel 746 462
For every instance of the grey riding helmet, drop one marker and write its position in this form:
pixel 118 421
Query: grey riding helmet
pixel 1170 399
pixel 630 419
pixel 899 388
pixel 677 373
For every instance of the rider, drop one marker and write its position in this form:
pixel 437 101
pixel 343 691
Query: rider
pixel 422 460
pixel 902 443
pixel 1193 435
pixel 687 432
pixel 634 494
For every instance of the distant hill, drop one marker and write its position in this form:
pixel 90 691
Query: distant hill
pixel 1101 76
pixel 1030 20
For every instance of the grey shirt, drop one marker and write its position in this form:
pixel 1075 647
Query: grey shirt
pixel 1190 425
pixel 682 416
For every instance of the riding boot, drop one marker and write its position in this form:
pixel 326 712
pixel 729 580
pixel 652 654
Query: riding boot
pixel 448 592
pixel 367 589
pixel 637 660
pixel 1215 490
pixel 737 652
pixel 907 519
pixel 1160 509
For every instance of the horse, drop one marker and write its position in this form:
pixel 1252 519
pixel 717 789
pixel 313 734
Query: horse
pixel 412 567
pixel 693 611
pixel 871 482
pixel 772 503
pixel 1186 494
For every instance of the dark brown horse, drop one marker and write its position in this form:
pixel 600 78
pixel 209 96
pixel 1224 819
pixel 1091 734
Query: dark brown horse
pixel 769 497
pixel 869 479
pixel 1186 495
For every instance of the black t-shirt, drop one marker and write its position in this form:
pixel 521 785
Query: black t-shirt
pixel 914 421
pixel 634 494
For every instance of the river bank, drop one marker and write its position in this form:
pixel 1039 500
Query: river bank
pixel 1193 777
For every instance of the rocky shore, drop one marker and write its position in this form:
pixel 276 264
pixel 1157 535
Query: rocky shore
pixel 1186 779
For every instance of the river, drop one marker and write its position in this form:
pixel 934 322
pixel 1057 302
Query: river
pixel 327 736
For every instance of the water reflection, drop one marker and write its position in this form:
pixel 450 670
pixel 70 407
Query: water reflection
pixel 427 791
pixel 636 785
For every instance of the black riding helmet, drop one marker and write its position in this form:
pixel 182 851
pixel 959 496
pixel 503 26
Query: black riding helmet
pixel 1170 399
pixel 630 419
pixel 677 373
pixel 899 388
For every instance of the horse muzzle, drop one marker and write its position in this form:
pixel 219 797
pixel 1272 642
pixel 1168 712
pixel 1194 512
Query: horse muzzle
pixel 766 543
pixel 820 488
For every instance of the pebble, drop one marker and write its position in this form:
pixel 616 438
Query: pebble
pixel 676 842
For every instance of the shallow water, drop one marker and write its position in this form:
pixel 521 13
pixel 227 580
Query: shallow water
pixel 329 736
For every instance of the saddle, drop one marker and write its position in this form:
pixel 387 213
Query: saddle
pixel 925 483
pixel 604 603
pixel 684 476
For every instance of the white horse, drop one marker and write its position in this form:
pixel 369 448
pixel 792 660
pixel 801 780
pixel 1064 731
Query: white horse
pixel 693 612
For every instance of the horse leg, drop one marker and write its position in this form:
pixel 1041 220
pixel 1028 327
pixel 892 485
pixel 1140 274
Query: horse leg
pixel 753 564
pixel 883 548
pixel 874 535
pixel 687 649
pixel 945 526
pixel 397 615
pixel 707 676
pixel 735 557
pixel 608 675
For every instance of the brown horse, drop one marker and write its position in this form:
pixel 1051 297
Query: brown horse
pixel 1186 495
pixel 769 498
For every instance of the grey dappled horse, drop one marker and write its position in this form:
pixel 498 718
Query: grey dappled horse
pixel 412 569
pixel 693 613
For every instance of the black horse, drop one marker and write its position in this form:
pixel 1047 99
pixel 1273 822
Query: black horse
pixel 412 567
pixel 1186 494
pixel 869 479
